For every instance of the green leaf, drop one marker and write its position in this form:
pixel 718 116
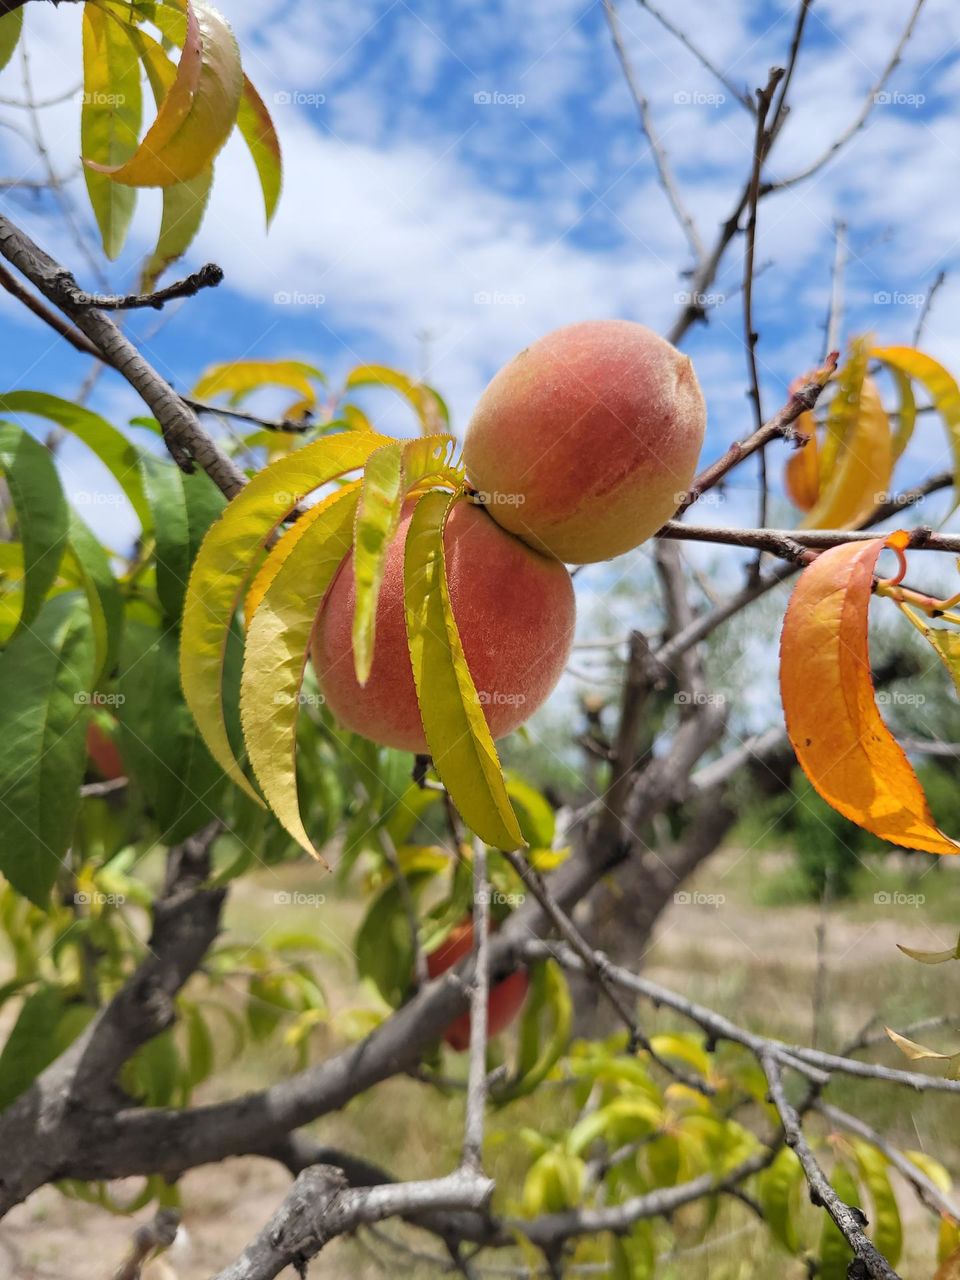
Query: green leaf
pixel 536 817
pixel 256 128
pixel 41 510
pixel 30 1045
pixel 109 120
pixel 887 1231
pixel 103 593
pixel 46 673
pixel 183 507
pixel 183 208
pixel 11 24
pixel 941 387
pixel 427 403
pixel 225 561
pixel 159 739
pixel 278 638
pixel 554 1183
pixel 544 1033
pixel 384 946
pixel 453 722
pixel 117 454
pixel 778 1193
pixel 198 112
pixel 389 476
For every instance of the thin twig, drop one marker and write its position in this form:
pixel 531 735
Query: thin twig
pixel 927 305
pixel 835 312
pixel 664 171
pixel 740 94
pixel 77 299
pixel 479 1000
pixel 871 100
pixel 781 424
pixel 849 1220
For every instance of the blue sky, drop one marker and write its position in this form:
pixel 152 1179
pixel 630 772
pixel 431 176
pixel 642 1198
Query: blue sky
pixel 408 199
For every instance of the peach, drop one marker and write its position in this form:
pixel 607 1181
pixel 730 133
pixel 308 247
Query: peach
pixel 103 753
pixel 515 612
pixel 583 444
pixel 504 1000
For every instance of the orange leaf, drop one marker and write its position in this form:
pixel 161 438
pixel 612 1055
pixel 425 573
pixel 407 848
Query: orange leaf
pixel 801 476
pixel 841 742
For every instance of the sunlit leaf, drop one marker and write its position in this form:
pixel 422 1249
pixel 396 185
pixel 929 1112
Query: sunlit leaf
pixel 258 132
pixel 844 406
pixel 840 740
pixel 886 1230
pixel 11 25
pixel 117 454
pixel 198 112
pixel 931 957
pixel 183 208
pixel 388 477
pixel 859 476
pixel 778 1190
pixel 940 385
pixel 453 722
pixel 801 475
pixel 41 511
pixel 278 639
pixel 46 673
pixel 918 1052
pixel 906 411
pixel 238 378
pixel 225 562
pixel 427 403
pixel 109 121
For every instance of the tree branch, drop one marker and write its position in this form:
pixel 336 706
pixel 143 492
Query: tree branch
pixel 73 298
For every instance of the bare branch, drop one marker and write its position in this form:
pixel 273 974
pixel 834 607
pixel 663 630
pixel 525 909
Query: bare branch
pixel 927 306
pixel 835 313
pixel 876 89
pixel 664 171
pixel 159 1233
pixel 780 425
pixel 72 297
pixel 741 95
pixel 849 1220
pixel 790 544
pixel 479 999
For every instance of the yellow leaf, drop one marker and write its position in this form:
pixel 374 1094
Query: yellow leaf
pixel 274 561
pixel 256 128
pixel 426 402
pixel 224 563
pixel 916 1052
pixel 239 377
pixel 389 476
pixel 453 721
pixel 278 639
pixel 843 407
pixel 839 737
pixel 198 112
pixel 859 477
pixel 939 384
pixel 801 475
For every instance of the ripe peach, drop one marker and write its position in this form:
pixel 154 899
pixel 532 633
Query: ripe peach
pixel 515 612
pixel 103 753
pixel 582 444
pixel 504 1001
